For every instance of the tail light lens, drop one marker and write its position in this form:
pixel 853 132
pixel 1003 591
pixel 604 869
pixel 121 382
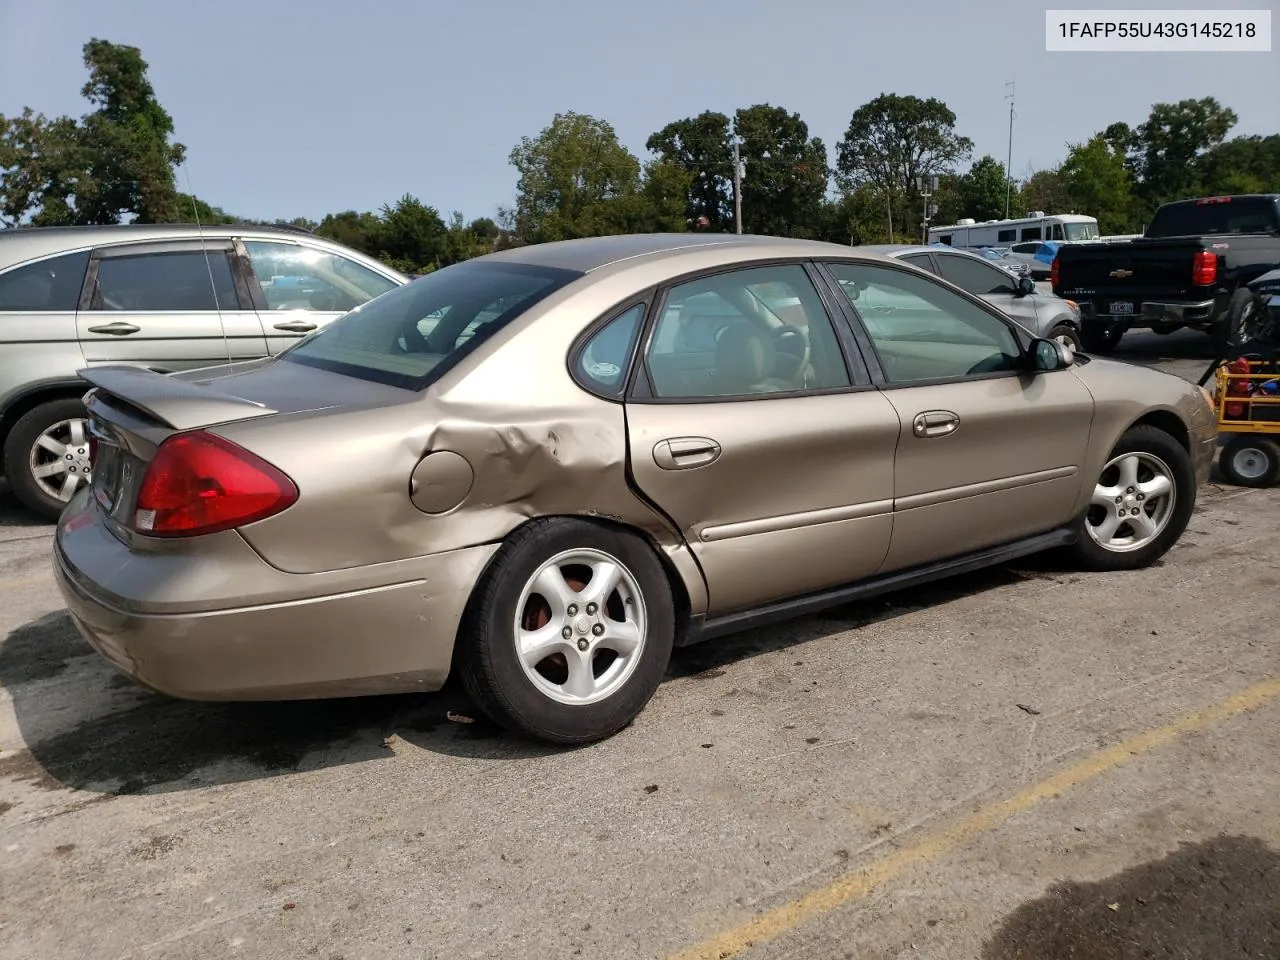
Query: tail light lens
pixel 199 483
pixel 1204 268
pixel 1053 272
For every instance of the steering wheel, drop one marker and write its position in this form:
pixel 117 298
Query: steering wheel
pixel 792 342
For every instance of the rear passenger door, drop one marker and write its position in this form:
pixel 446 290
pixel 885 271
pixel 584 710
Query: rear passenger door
pixel 297 287
pixel 169 306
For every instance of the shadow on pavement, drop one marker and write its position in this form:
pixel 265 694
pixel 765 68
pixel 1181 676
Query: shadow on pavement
pixel 1207 901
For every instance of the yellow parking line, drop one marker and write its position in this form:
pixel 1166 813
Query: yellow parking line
pixel 23 582
pixel 858 883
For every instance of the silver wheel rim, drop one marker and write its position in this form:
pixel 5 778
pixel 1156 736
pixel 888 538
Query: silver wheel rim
pixel 1132 502
pixel 580 627
pixel 1250 463
pixel 59 459
pixel 1068 340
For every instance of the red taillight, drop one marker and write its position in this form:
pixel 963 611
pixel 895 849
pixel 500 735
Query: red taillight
pixel 199 483
pixel 1053 273
pixel 1204 268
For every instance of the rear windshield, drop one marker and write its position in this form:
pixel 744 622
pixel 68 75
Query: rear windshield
pixel 411 335
pixel 1214 218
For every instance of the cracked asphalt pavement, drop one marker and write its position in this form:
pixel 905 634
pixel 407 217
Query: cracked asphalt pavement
pixel 1027 762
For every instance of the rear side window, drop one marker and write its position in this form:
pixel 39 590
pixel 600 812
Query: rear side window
pixel 602 364
pixel 46 286
pixel 410 336
pixel 172 282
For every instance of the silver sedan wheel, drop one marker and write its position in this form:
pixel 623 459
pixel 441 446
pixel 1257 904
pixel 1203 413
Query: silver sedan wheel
pixel 1068 340
pixel 1132 502
pixel 580 627
pixel 59 459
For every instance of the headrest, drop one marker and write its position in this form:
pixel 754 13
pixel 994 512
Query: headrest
pixel 744 357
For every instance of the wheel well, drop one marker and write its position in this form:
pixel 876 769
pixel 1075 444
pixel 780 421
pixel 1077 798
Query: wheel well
pixel 1168 422
pixel 679 594
pixel 29 401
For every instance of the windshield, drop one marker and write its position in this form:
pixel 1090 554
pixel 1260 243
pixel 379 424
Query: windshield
pixel 1081 231
pixel 410 336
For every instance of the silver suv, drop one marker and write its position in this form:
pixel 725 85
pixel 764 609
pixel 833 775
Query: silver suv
pixel 165 297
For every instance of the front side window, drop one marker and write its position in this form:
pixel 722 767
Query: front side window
pixel 170 282
pixel 602 363
pixel 410 336
pixel 298 277
pixel 749 332
pixel 922 330
pixel 974 276
pixel 46 286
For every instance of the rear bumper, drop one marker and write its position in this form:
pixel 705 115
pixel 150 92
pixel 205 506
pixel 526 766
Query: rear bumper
pixel 1151 313
pixel 392 637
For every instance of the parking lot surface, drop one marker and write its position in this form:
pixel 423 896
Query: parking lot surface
pixel 1027 762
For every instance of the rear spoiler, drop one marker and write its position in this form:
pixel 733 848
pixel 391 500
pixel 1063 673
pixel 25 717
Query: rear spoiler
pixel 179 404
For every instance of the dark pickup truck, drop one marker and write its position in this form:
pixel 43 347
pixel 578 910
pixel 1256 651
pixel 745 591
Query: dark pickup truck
pixel 1190 269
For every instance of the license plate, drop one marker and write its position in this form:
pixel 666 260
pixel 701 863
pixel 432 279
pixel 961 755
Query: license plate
pixel 1120 308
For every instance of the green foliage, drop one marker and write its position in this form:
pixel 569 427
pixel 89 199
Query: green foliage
pixel 890 142
pixel 786 172
pixel 702 146
pixel 978 193
pixel 1095 179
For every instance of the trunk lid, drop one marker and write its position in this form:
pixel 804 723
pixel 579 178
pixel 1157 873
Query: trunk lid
pixel 132 411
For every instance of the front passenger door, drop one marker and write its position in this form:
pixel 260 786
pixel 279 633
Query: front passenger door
pixel 989 451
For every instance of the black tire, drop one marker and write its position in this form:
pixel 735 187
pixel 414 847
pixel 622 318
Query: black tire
pixel 486 657
pixel 1099 341
pixel 1250 461
pixel 1229 329
pixel 17 454
pixel 1067 332
pixel 1092 555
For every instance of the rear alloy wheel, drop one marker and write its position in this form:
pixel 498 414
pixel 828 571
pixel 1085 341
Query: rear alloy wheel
pixel 46 456
pixel 1250 461
pixel 569 632
pixel 1141 502
pixel 1068 336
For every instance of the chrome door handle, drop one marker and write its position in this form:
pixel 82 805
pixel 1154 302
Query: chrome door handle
pixel 117 329
pixel 935 423
pixel 684 453
pixel 296 326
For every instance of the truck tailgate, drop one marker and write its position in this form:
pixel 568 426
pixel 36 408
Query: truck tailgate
pixel 1137 270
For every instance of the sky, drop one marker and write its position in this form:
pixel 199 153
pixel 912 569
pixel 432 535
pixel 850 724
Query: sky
pixel 302 107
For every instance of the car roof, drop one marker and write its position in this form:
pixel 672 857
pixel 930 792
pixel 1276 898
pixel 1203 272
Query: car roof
pixel 18 244
pixel 593 253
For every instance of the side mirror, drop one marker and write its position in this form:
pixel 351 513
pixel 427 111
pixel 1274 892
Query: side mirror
pixel 1047 355
pixel 1026 286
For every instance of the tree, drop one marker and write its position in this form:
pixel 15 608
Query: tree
pixel 1166 148
pixel 786 172
pixel 894 139
pixel 1043 190
pixel 1242 165
pixel 570 175
pixel 702 146
pixel 1096 180
pixel 116 161
pixel 127 141
pixel 978 193
pixel 359 231
pixel 191 209
pixel 409 235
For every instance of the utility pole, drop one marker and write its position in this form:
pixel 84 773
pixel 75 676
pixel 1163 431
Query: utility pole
pixel 737 188
pixel 927 186
pixel 1008 164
